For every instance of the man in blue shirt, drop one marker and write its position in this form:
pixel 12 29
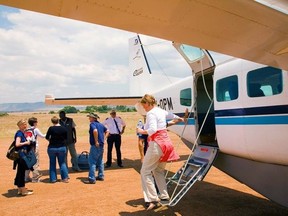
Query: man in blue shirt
pixel 97 133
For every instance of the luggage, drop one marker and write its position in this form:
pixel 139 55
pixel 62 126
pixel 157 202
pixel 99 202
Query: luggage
pixel 83 160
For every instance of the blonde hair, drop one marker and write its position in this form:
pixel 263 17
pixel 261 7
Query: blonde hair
pixel 148 99
pixel 21 122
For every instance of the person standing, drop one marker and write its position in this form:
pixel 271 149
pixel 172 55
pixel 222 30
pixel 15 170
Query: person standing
pixel 70 125
pixel 57 135
pixel 142 140
pixel 97 133
pixel 159 152
pixel 35 133
pixel 21 144
pixel 116 127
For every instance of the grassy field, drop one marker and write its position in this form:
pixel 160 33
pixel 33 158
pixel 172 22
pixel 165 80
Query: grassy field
pixel 8 125
pixel 121 192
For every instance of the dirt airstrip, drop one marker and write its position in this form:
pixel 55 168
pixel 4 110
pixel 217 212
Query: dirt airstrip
pixel 120 193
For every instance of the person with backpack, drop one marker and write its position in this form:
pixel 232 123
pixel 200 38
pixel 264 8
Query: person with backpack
pixel 32 133
pixel 22 145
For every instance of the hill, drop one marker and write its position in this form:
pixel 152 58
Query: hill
pixel 27 107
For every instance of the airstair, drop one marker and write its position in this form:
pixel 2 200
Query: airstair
pixel 193 170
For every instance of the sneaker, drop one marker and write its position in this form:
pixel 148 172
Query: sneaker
pixel 37 176
pixel 120 165
pixel 99 179
pixel 89 182
pixel 35 180
pixel 26 192
pixel 107 166
pixel 19 191
pixel 164 201
pixel 28 179
pixel 65 180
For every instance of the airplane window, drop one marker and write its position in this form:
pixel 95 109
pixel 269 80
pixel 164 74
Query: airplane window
pixel 227 89
pixel 186 97
pixel 264 82
pixel 192 53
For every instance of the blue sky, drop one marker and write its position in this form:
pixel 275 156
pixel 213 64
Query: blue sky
pixel 42 54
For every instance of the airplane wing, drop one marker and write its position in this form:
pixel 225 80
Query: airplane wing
pixel 241 28
pixel 50 100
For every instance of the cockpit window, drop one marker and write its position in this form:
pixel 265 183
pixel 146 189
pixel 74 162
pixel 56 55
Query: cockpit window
pixel 227 89
pixel 186 97
pixel 264 82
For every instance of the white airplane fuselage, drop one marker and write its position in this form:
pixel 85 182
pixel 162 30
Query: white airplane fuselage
pixel 250 127
pixel 247 121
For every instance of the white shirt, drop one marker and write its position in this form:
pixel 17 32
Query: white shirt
pixel 37 133
pixel 156 120
pixel 111 126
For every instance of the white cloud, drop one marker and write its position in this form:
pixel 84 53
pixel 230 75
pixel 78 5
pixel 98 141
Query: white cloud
pixel 42 54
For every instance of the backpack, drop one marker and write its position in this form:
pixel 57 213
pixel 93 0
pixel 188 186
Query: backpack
pixel 12 153
pixel 30 136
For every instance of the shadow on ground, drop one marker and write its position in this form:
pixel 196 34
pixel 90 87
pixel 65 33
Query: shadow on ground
pixel 210 199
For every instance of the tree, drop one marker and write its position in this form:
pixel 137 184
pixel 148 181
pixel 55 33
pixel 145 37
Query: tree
pixel 69 109
pixel 105 109
pixel 101 109
pixel 90 109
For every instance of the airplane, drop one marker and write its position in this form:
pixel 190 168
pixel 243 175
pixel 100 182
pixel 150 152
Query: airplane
pixel 237 118
pixel 238 115
pixel 238 110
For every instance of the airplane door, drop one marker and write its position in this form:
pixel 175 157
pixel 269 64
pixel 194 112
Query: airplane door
pixel 202 66
pixel 198 59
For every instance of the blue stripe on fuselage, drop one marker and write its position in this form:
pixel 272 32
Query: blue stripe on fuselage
pixel 253 116
pixel 267 110
pixel 252 120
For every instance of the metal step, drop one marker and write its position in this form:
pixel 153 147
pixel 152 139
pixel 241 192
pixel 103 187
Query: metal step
pixel 193 170
pixel 185 187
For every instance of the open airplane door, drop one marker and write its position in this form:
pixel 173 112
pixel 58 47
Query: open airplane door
pixel 202 155
pixel 198 59
pixel 202 66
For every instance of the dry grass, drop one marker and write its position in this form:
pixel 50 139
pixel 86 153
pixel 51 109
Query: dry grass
pixel 8 125
pixel 120 193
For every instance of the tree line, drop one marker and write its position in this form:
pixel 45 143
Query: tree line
pixel 100 109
